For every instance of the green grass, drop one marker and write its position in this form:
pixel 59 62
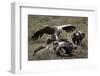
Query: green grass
pixel 36 22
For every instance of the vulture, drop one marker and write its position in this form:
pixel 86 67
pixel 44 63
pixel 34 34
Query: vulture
pixel 54 32
pixel 64 47
pixel 77 37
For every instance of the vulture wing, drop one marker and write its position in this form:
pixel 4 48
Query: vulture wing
pixel 68 28
pixel 45 30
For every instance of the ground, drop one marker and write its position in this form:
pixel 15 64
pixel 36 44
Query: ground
pixel 36 22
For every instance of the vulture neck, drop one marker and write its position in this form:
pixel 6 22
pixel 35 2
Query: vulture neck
pixel 56 36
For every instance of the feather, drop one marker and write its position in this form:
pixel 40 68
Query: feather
pixel 69 28
pixel 45 30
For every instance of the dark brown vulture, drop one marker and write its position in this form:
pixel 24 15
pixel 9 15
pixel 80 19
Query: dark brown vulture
pixel 77 37
pixel 64 47
pixel 55 31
